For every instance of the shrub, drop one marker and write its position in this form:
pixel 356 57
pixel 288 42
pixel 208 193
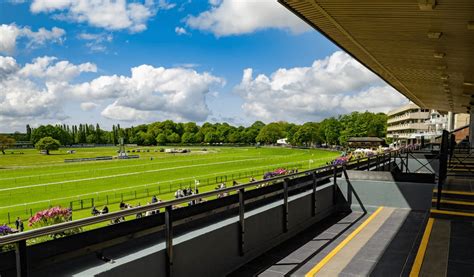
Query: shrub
pixel 52 216
pixel 5 230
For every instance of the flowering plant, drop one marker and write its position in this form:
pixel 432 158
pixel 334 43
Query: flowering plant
pixel 49 217
pixel 340 161
pixel 276 172
pixel 52 216
pixel 5 229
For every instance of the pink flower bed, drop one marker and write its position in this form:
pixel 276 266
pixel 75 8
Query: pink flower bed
pixel 49 216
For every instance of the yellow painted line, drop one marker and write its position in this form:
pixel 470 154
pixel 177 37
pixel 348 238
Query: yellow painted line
pixel 341 245
pixel 454 202
pixel 455 192
pixel 434 211
pixel 420 255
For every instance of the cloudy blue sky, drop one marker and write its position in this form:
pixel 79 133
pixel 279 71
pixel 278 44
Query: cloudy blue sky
pixel 133 62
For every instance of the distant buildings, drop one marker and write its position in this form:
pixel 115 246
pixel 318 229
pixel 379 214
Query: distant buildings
pixel 409 123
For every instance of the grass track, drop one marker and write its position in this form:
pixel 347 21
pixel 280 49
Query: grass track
pixel 30 181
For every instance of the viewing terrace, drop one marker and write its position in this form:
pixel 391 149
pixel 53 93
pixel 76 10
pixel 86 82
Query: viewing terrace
pixel 403 213
pixel 371 215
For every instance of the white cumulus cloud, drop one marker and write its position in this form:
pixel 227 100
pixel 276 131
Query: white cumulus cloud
pixel 335 85
pixel 8 36
pixel 10 33
pixel 235 17
pixel 107 14
pixel 88 106
pixel 45 68
pixel 115 111
pixel 37 90
pixel 180 31
pixel 158 92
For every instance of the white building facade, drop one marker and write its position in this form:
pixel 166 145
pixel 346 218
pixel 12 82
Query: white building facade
pixel 409 123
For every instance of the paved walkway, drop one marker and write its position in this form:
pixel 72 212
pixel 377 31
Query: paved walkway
pixel 356 244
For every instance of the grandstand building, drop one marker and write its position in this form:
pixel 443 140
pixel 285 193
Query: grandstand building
pixel 408 212
pixel 409 123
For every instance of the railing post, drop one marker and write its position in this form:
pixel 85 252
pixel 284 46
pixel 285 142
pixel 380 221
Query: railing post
pixel 169 240
pixel 443 166
pixel 285 205
pixel 401 162
pixel 368 163
pixel 313 195
pixel 349 187
pixel 406 165
pixel 21 259
pixel 358 163
pixel 241 222
pixel 377 161
pixel 334 187
pixel 390 161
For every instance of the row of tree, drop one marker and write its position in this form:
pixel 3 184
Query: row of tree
pixel 330 131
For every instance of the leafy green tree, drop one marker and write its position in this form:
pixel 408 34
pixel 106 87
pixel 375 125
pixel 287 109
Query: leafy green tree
pixel 161 139
pixel 5 143
pixel 270 133
pixel 55 132
pixel 211 137
pixel 198 137
pixel 28 132
pixel 47 144
pixel 329 131
pixel 191 127
pixel 234 137
pixel 187 137
pixel 173 138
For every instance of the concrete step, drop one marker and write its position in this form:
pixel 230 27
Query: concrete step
pixel 455 205
pixel 457 195
pixel 452 215
pixel 445 249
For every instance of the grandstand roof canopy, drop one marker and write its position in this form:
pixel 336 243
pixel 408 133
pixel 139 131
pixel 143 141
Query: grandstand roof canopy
pixel 423 48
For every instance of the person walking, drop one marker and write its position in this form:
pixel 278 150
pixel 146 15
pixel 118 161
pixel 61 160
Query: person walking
pixel 19 225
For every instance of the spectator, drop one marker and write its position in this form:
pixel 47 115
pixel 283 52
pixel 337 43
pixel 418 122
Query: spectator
pixel 17 223
pixel 105 210
pixel 94 211
pixel 154 199
pixel 70 214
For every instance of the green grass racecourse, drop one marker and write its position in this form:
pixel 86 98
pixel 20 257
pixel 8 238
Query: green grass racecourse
pixel 31 181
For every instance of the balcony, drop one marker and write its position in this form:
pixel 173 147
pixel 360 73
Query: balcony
pixel 408 126
pixel 426 135
pixel 407 116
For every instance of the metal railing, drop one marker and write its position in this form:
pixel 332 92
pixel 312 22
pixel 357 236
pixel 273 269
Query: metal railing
pixel 19 239
pixel 453 157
